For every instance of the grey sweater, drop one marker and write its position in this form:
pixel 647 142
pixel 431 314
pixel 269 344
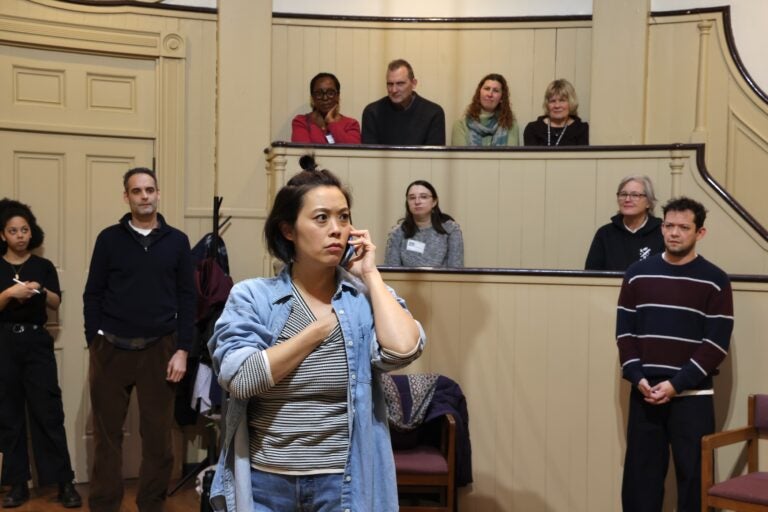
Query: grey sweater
pixel 437 250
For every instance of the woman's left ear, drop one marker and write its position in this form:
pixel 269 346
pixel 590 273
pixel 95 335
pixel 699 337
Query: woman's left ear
pixel 287 231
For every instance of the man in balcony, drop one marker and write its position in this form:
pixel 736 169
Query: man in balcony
pixel 403 118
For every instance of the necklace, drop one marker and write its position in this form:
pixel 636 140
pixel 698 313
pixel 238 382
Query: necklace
pixel 557 142
pixel 16 269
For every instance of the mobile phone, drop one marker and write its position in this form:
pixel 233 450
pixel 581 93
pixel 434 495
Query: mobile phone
pixel 349 253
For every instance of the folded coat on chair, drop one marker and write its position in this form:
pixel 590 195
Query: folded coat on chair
pixel 420 398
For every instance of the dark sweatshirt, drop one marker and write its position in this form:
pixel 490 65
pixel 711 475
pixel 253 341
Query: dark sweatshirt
pixel 616 248
pixel 140 286
pixel 421 124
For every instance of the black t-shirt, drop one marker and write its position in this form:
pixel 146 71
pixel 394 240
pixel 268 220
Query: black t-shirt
pixel 32 311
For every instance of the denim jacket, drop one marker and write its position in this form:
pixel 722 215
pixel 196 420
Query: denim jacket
pixel 254 316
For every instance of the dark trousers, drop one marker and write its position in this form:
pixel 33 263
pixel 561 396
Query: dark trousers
pixel 29 382
pixel 114 373
pixel 651 431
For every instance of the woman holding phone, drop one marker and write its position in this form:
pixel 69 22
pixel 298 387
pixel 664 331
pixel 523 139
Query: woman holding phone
pixel 300 355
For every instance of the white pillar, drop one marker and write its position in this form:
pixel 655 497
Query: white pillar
pixel 619 68
pixel 243 116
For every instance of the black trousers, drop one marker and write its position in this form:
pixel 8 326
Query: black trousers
pixel 651 431
pixel 29 383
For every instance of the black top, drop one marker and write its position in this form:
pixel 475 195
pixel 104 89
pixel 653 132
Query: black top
pixel 616 248
pixel 140 286
pixel 33 310
pixel 421 124
pixel 576 133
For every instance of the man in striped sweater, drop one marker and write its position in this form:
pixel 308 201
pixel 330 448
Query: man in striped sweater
pixel 673 328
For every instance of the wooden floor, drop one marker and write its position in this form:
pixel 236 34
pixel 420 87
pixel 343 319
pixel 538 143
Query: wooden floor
pixel 44 500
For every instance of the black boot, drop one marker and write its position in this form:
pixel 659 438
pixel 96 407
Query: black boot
pixel 16 497
pixel 68 495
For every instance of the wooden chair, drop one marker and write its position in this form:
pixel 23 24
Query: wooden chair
pixel 744 493
pixel 425 461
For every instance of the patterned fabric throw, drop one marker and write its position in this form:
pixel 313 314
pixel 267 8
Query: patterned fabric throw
pixel 421 387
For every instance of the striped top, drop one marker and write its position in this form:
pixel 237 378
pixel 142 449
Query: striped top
pixel 298 426
pixel 674 322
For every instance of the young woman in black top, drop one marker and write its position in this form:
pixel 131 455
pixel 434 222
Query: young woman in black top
pixel 28 377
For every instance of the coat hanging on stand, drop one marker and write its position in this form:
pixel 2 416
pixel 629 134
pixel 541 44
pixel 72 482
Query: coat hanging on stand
pixel 201 392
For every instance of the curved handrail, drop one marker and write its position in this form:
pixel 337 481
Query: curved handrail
pixel 725 12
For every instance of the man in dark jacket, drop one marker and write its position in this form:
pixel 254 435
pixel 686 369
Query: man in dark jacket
pixel 403 118
pixel 139 315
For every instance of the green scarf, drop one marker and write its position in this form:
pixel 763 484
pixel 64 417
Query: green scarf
pixel 485 128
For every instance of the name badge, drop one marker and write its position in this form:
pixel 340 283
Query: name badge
pixel 415 246
pixel 329 138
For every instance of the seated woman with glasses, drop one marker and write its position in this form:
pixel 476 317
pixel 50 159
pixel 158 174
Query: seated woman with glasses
pixel 633 233
pixel 325 125
pixel 425 237
pixel 488 120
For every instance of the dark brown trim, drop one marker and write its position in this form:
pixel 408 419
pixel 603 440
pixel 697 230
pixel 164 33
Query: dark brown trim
pixel 477 149
pixel 532 272
pixel 699 148
pixel 732 202
pixel 134 3
pixel 683 12
pixel 397 19
pixel 725 11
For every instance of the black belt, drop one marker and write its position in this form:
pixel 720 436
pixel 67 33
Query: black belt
pixel 136 343
pixel 21 327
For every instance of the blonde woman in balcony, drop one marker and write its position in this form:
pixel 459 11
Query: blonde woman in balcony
pixel 489 120
pixel 560 125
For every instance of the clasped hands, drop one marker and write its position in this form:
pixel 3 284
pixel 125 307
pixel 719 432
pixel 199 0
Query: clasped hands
pixel 659 394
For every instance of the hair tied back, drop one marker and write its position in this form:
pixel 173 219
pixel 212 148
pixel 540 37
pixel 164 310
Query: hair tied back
pixel 307 162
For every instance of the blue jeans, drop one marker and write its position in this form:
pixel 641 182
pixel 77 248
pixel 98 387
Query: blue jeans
pixel 273 492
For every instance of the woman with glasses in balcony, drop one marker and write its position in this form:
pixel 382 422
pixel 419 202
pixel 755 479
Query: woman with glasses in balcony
pixel 489 120
pixel 633 233
pixel 425 237
pixel 325 124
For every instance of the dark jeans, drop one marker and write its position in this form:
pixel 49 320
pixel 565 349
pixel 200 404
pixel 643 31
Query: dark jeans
pixel 114 373
pixel 28 379
pixel 651 431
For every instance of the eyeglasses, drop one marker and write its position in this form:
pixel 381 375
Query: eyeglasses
pixel 319 94
pixel 423 197
pixel 629 195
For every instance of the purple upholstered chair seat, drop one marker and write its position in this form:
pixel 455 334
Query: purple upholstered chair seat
pixel 752 488
pixel 422 459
